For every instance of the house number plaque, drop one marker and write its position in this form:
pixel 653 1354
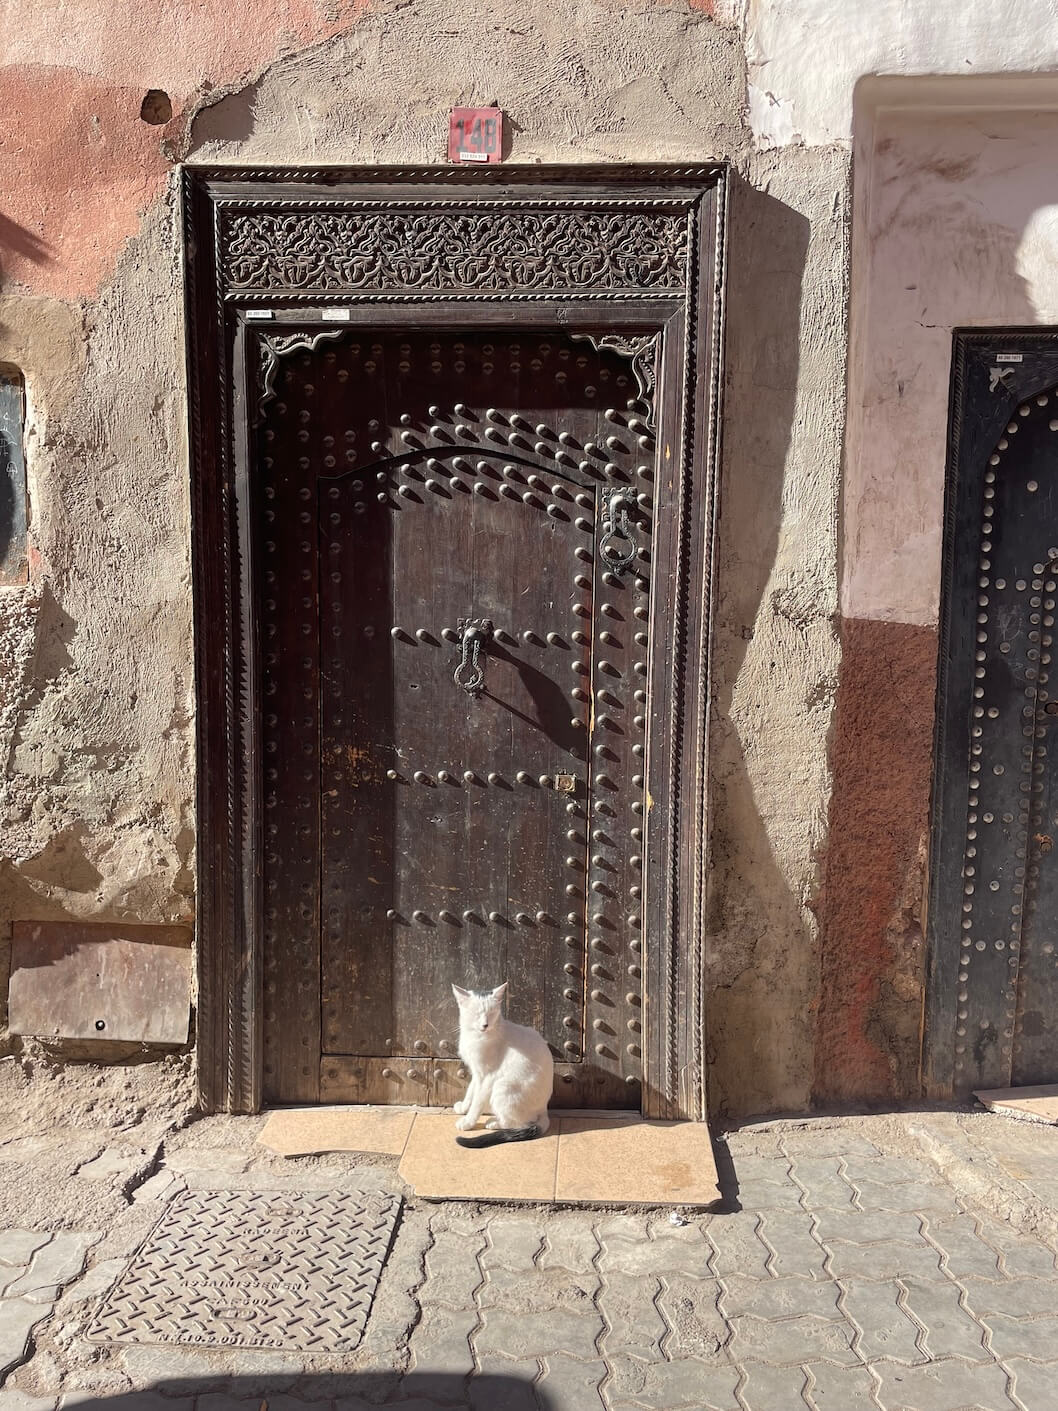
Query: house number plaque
pixel 475 135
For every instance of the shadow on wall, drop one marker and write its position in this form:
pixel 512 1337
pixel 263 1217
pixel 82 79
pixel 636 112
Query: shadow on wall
pixel 19 240
pixel 55 631
pixel 948 205
pixel 350 1391
pixel 23 241
pixel 760 967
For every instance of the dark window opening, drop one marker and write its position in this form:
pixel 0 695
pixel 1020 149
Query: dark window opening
pixel 14 564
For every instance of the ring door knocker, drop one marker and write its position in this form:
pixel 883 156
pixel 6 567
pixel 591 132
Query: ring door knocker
pixel 474 632
pixel 616 527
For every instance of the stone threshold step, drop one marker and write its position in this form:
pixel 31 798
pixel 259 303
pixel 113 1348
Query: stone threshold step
pixel 584 1158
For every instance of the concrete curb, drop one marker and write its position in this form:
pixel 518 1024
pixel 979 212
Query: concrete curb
pixel 976 1176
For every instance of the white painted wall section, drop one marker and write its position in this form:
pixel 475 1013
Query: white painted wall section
pixel 806 56
pixel 960 229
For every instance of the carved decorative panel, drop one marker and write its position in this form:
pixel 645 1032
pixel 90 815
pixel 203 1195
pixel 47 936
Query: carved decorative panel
pixel 493 248
pixel 395 373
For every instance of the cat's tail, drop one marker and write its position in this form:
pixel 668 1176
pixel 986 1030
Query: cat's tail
pixel 502 1134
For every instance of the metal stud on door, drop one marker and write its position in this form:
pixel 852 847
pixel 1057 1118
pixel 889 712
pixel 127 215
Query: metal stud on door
pixel 994 985
pixel 482 616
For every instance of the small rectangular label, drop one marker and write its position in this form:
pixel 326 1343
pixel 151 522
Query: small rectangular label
pixel 259 315
pixel 335 315
pixel 475 135
pixel 1009 357
pixel 565 783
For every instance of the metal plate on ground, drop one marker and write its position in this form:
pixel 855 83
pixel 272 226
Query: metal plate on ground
pixel 297 1272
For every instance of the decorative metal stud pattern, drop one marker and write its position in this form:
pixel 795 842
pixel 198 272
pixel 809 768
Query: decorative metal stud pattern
pixel 412 476
pixel 456 206
pixel 615 926
pixel 404 473
pixel 291 569
pixel 1007 964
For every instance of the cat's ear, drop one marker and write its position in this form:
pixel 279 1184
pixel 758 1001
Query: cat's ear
pixel 461 995
pixel 499 991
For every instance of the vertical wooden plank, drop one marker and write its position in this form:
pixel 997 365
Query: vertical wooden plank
pixel 480 894
pixel 207 373
pixel 662 1001
pixel 356 509
pixel 699 429
pixel 621 625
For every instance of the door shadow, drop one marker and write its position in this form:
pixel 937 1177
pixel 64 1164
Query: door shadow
pixel 758 981
pixel 345 1391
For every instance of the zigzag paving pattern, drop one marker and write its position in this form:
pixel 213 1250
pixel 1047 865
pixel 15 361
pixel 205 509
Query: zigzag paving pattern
pixel 843 1275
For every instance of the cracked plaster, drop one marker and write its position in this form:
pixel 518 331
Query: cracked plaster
pixel 96 697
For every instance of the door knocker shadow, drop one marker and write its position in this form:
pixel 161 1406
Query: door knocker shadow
pixel 552 707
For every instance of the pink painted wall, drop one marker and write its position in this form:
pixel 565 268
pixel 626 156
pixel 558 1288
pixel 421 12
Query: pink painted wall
pixel 78 166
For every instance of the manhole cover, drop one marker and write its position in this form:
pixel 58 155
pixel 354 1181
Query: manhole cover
pixel 254 1269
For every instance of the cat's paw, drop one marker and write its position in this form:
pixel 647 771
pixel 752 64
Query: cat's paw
pixel 464 1124
pixel 461 1107
pixel 492 1124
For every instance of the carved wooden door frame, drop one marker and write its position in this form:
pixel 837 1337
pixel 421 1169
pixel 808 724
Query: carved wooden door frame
pixel 632 256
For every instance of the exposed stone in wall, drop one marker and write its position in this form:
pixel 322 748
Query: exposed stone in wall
pixel 97 804
pixel 19 613
pixel 870 908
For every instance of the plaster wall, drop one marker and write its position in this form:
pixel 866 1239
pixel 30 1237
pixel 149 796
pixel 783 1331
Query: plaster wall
pixel 955 225
pixel 806 58
pixel 96 689
pixel 960 213
pixel 98 804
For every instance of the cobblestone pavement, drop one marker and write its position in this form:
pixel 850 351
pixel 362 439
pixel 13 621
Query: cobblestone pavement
pixel 847 1273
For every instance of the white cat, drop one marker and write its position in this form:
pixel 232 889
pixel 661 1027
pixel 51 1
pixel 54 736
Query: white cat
pixel 512 1072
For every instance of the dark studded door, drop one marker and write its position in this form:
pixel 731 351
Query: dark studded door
pixel 452 542
pixel 994 906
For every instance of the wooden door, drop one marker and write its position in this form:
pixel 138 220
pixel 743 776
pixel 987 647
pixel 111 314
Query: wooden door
pixel 423 398
pixel 994 906
pixel 454 531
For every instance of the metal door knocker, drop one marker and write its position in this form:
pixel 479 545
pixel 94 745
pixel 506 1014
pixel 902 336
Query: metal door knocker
pixel 474 632
pixel 616 527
